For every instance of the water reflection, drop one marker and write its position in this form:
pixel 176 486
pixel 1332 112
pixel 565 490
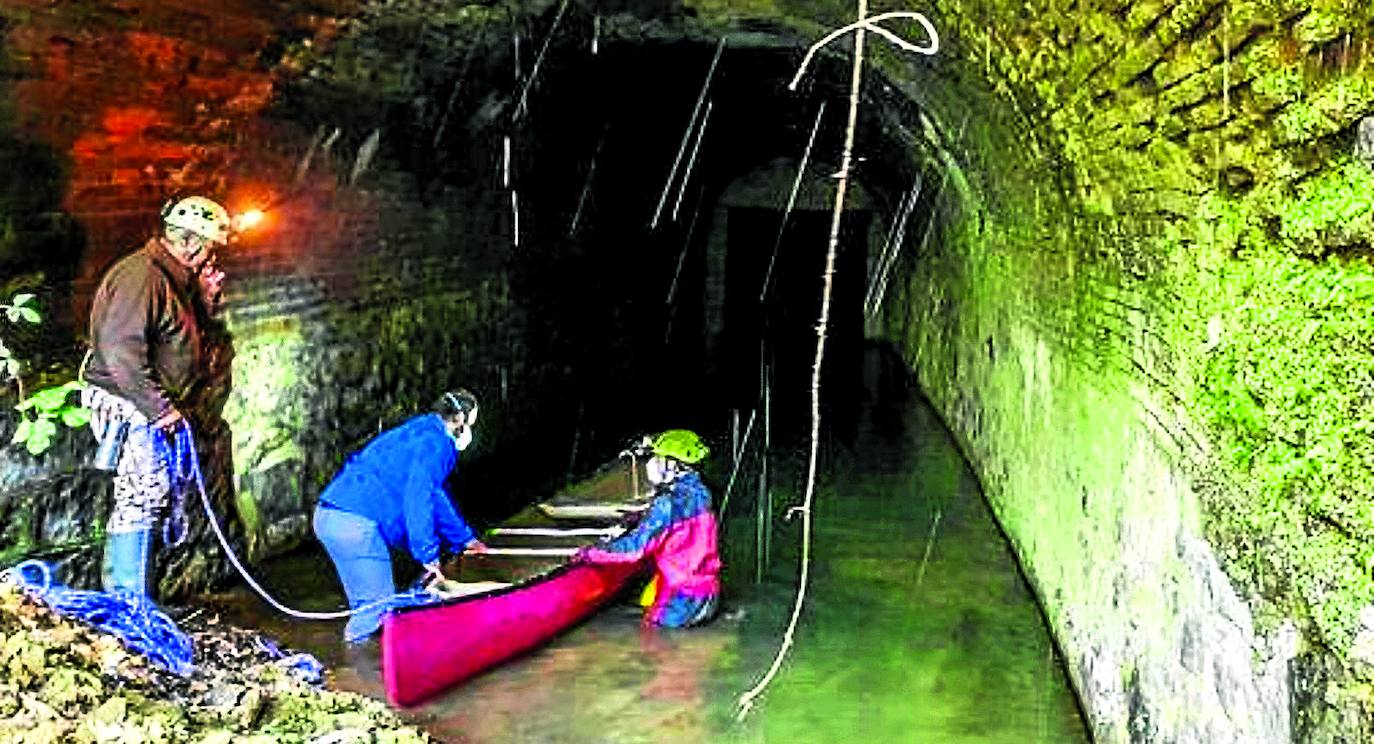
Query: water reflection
pixel 919 629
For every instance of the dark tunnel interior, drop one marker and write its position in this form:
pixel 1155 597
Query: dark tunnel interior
pixel 616 263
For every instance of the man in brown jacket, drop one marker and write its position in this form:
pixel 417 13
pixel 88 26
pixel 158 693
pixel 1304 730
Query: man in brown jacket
pixel 147 320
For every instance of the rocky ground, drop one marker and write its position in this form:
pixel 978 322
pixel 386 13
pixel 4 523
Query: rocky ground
pixel 62 681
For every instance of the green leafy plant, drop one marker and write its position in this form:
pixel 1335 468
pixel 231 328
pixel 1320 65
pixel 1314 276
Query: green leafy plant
pixel 41 411
pixel 1287 395
pixel 18 310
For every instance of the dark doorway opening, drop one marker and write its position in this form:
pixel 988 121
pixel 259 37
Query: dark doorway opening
pixel 777 335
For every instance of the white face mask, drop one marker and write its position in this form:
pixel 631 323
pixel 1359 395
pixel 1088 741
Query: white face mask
pixel 656 469
pixel 463 439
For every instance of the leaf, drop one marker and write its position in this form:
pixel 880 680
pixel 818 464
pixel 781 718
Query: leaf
pixel 21 433
pixel 22 298
pixel 38 445
pixel 76 417
pixel 30 314
pixel 49 400
pixel 12 313
pixel 43 428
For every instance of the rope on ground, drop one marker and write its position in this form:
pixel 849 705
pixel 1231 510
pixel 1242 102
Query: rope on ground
pixel 746 700
pixel 302 666
pixel 132 618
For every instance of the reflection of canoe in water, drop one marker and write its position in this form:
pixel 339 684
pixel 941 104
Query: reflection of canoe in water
pixel 429 648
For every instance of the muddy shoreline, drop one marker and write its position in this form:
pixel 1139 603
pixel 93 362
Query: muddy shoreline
pixel 63 681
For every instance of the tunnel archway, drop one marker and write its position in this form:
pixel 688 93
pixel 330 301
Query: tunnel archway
pixel 1128 210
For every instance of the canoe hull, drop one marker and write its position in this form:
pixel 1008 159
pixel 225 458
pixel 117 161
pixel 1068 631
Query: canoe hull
pixel 426 650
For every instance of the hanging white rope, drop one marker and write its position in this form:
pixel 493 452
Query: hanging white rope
pixel 687 135
pixel 936 202
pixel 587 183
pixel 505 162
pixel 897 222
pixel 877 287
pixel 791 201
pixel 871 24
pixel 448 110
pixel 686 245
pixel 746 700
pixel 692 161
pixel 930 542
pixel 739 458
pixel 534 72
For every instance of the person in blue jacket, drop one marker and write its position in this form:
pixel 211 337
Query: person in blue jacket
pixel 390 495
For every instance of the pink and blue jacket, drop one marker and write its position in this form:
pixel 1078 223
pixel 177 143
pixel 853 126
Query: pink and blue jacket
pixel 679 533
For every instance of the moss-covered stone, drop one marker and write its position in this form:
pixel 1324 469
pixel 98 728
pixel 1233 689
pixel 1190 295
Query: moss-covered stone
pixel 66 682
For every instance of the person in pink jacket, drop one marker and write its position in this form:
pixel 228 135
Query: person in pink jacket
pixel 678 531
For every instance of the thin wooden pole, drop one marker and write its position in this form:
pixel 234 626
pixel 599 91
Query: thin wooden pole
pixel 526 552
pixel 558 531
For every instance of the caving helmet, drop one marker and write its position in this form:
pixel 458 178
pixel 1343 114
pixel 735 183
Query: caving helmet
pixel 199 215
pixel 681 445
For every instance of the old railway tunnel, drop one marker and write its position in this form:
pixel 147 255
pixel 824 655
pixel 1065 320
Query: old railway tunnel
pixel 1120 248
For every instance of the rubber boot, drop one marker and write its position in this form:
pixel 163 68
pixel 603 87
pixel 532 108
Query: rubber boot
pixel 125 564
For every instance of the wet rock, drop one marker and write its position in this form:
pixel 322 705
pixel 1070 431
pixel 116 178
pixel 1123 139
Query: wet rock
pixel 1364 141
pixel 1362 650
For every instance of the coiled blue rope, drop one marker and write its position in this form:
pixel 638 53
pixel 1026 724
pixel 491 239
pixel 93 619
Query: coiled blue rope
pixel 133 618
pixel 302 665
pixel 178 462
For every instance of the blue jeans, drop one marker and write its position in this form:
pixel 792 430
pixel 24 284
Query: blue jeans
pixel 363 561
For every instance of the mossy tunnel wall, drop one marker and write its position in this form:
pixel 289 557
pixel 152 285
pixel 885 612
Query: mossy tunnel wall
pixel 1134 281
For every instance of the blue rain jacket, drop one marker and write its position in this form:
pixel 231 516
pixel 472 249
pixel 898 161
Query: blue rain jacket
pixel 397 481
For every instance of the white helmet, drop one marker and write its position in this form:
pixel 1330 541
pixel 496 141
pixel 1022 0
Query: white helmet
pixel 199 215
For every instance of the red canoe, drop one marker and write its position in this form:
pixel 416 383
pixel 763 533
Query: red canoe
pixel 427 649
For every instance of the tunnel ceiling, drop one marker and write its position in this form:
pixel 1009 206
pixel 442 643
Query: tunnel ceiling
pixel 444 96
pixel 600 133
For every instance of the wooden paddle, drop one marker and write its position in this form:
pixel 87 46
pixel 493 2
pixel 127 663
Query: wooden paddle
pixel 559 531
pixel 590 511
pixel 526 552
pixel 448 588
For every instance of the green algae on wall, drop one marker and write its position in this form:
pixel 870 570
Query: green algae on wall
pixel 1287 387
pixel 1211 259
pixel 1217 135
pixel 267 410
pixel 280 377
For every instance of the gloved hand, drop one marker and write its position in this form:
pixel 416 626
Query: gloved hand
pixel 433 573
pixel 168 421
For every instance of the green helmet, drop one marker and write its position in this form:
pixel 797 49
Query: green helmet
pixel 680 444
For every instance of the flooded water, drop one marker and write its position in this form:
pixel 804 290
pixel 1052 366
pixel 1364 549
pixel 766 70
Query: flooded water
pixel 918 628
